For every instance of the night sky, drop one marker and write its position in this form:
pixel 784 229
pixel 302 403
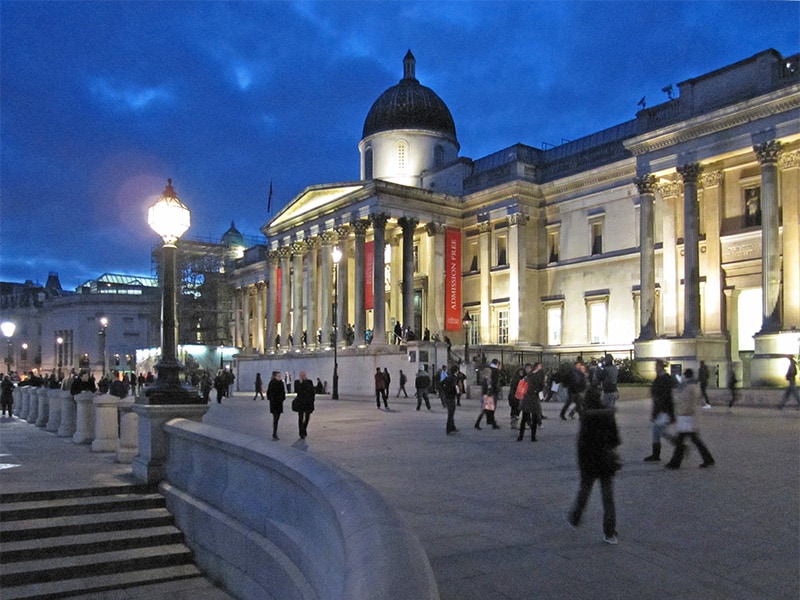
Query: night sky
pixel 101 102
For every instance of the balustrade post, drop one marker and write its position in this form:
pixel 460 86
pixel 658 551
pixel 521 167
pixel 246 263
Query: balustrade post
pixel 42 397
pixel 128 443
pixel 69 417
pixel 33 405
pixel 84 419
pixel 106 423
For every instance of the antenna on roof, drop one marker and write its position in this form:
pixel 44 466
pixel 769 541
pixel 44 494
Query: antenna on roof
pixel 668 91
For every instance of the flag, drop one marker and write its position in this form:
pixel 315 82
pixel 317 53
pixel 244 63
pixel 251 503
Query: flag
pixel 269 198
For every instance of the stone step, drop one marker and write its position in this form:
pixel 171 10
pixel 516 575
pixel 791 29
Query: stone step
pixel 75 493
pixel 21 510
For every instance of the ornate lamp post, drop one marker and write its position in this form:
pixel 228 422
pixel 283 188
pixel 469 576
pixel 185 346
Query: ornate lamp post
pixel 102 334
pixel 336 255
pixel 466 322
pixel 60 351
pixel 170 219
pixel 8 328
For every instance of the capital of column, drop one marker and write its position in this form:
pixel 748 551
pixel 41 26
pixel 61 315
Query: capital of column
pixel 517 219
pixel 711 179
pixel 378 220
pixel 408 223
pixel 273 256
pixel 311 243
pixel 327 237
pixel 284 252
pixel 484 226
pixel 690 172
pixel 360 227
pixel 433 229
pixel 669 189
pixel 768 152
pixel 342 231
pixel 646 184
pixel 299 248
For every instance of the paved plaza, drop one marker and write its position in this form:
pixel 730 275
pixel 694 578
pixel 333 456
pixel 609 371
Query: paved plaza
pixel 489 510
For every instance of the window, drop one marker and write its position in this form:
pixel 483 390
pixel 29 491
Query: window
pixel 473 253
pixel 500 251
pixel 438 156
pixel 596 236
pixel 502 326
pixel 554 316
pixel 552 245
pixel 752 207
pixel 597 314
pixel 368 164
pixel 474 329
pixel 416 258
pixel 401 149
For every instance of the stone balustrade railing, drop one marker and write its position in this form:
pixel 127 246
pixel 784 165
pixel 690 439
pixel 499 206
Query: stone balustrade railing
pixel 312 529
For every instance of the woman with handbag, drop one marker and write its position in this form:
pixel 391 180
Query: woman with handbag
pixel 490 387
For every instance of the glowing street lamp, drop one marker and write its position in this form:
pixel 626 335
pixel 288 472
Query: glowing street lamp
pixel 102 334
pixel 8 328
pixel 336 255
pixel 170 219
pixel 466 322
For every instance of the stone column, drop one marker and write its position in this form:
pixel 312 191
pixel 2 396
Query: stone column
pixel 517 261
pixel 298 252
pixel 396 293
pixel 286 296
pixel 343 295
pixel 246 343
pixel 311 292
pixel 236 340
pixel 408 225
pixel 106 423
pixel 768 153
pixel 436 279
pixel 790 198
pixel 326 285
pixel 732 313
pixel 484 262
pixel 33 405
pixel 259 341
pixel 646 185
pixel 42 398
pixel 69 412
pixel 669 257
pixel 359 319
pixel 84 421
pixel 378 278
pixel 691 261
pixel 128 444
pixel 712 218
pixel 54 409
pixel 272 300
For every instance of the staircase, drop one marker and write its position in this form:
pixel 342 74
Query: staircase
pixel 109 543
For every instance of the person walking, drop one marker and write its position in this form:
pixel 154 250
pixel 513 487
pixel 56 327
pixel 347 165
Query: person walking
pixel 449 392
pixel 276 394
pixel 422 382
pixel 220 385
pixel 6 396
pixel 380 385
pixel 732 381
pixel 687 396
pixel 387 379
pixel 791 387
pixel 531 405
pixel 703 375
pixel 598 439
pixel 490 391
pixel 663 409
pixel 403 381
pixel 576 385
pixel 607 375
pixel 303 403
pixel 259 387
pixel 513 401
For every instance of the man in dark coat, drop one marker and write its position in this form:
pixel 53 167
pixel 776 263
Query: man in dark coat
pixel 303 403
pixel 276 394
pixel 663 411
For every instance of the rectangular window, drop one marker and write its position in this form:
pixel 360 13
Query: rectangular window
pixel 552 246
pixel 416 258
pixel 597 236
pixel 501 248
pixel 598 321
pixel 752 207
pixel 502 326
pixel 473 253
pixel 554 315
pixel 475 329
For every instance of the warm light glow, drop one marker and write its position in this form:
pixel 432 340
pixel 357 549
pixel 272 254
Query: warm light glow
pixel 169 217
pixel 104 321
pixel 59 340
pixel 336 254
pixel 8 328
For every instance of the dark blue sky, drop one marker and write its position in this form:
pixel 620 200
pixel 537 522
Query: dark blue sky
pixel 103 101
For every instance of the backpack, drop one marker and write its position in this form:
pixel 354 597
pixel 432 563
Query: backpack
pixel 449 387
pixel 522 389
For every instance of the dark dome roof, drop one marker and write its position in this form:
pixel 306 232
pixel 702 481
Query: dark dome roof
pixel 409 105
pixel 233 237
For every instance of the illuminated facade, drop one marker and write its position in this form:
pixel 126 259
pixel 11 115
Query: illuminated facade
pixel 672 235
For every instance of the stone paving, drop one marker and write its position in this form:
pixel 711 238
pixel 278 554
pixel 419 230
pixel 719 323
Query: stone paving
pixel 490 510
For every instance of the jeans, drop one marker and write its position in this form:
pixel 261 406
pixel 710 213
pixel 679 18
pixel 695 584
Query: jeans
pixel 423 395
pixel 609 511
pixel 660 424
pixel 791 390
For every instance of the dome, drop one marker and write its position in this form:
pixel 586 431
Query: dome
pixel 409 105
pixel 232 237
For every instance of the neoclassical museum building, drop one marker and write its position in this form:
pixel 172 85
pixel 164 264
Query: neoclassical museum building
pixel 673 235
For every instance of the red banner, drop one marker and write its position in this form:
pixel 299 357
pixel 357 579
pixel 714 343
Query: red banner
pixel 452 280
pixel 369 277
pixel 277 288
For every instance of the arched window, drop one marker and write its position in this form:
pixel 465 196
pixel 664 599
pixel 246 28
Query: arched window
pixel 401 150
pixel 368 163
pixel 438 156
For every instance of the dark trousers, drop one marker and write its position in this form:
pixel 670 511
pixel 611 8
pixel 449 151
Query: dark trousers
pixel 302 422
pixel 381 395
pixel 572 398
pixel 402 389
pixel 451 412
pixel 680 449
pixel 275 418
pixel 609 511
pixel 423 395
pixel 532 420
pixel 489 418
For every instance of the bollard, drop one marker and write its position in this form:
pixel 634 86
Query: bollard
pixel 43 397
pixel 106 423
pixel 54 410
pixel 17 401
pixel 68 416
pixel 33 405
pixel 84 419
pixel 128 445
pixel 25 402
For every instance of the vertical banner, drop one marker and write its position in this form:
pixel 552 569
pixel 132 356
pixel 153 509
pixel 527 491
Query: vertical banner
pixel 452 280
pixel 369 277
pixel 278 286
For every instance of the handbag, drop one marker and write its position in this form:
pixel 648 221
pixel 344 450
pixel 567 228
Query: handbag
pixel 296 404
pixel 488 402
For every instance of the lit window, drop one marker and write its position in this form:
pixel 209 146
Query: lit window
pixel 598 321
pixel 416 258
pixel 474 329
pixel 402 151
pixel 502 259
pixel 554 314
pixel 502 326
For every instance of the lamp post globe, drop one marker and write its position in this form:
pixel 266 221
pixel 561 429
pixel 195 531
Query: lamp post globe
pixel 8 328
pixel 170 219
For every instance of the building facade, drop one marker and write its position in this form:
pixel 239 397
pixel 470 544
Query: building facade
pixel 674 235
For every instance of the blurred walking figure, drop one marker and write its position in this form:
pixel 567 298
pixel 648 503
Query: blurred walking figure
pixel 791 388
pixel 259 387
pixel 687 396
pixel 663 411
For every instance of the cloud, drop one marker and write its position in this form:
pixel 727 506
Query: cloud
pixel 127 97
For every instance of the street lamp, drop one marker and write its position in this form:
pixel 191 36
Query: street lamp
pixel 102 334
pixel 8 328
pixel 60 351
pixel 336 255
pixel 466 321
pixel 170 219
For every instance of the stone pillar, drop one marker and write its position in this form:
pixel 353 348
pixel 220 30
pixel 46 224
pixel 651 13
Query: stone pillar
pixel 669 258
pixel 436 279
pixel 42 398
pixel 286 295
pixel 247 344
pixel 359 318
pixel 646 185
pixel 106 423
pixel 484 258
pixel 408 225
pixel 712 218
pixel 343 283
pixel 236 303
pixel 396 292
pixel 150 465
pixel 272 300
pixel 16 408
pixel 311 293
pixel 732 314
pixel 768 153
pixel 326 287
pixel 84 420
pixel 790 198
pixel 379 278
pixel 298 252
pixel 33 405
pixel 259 330
pixel 128 444
pixel 691 261
pixel 54 409
pixel 69 412
pixel 517 262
